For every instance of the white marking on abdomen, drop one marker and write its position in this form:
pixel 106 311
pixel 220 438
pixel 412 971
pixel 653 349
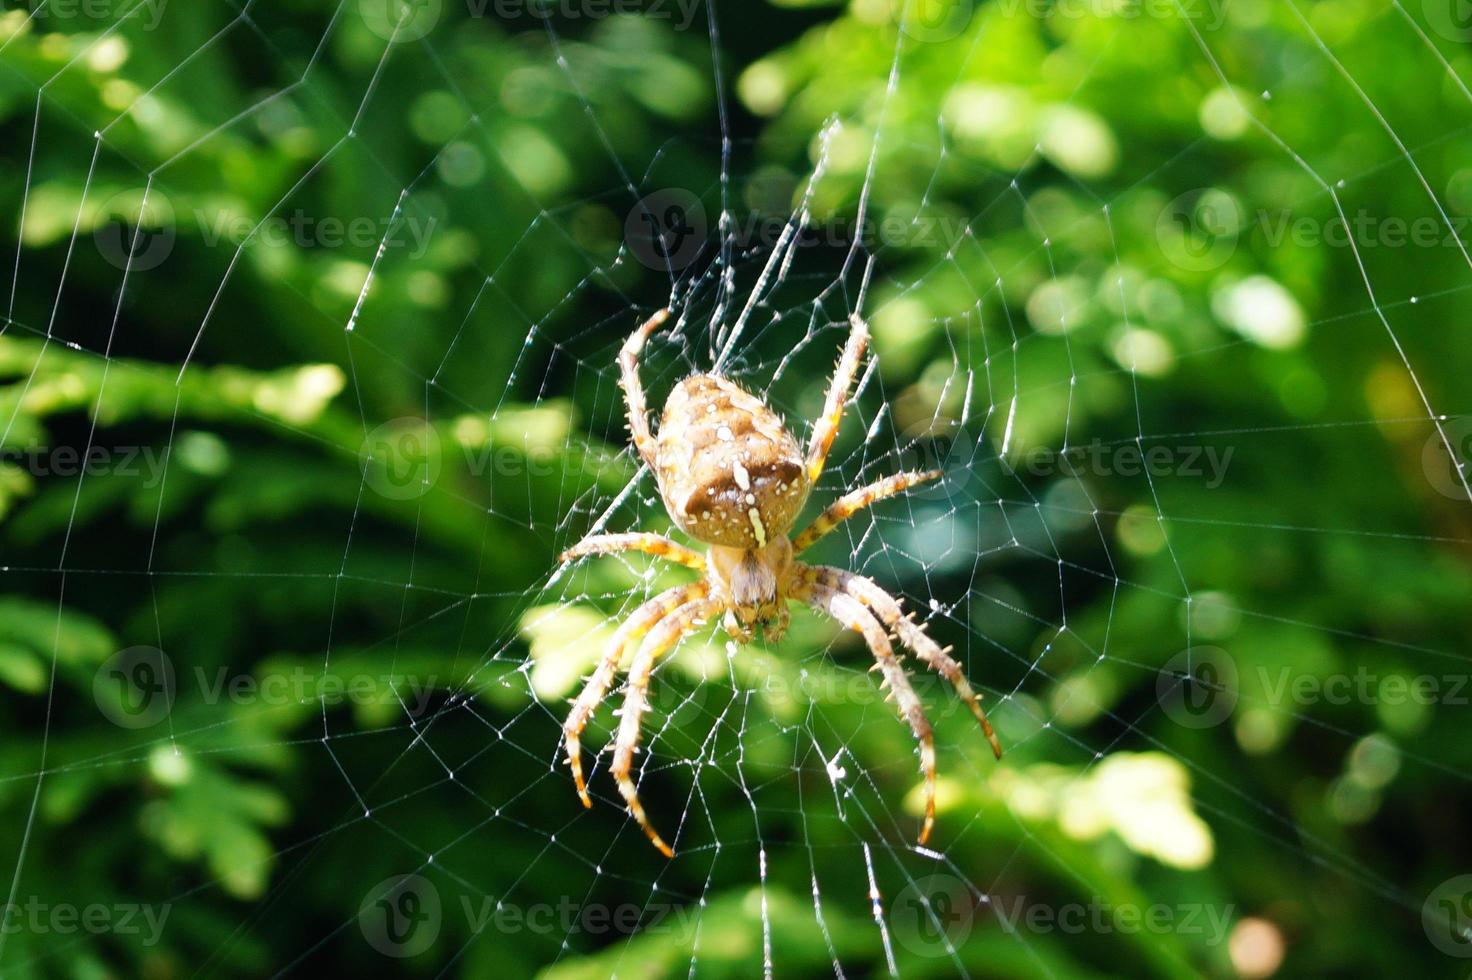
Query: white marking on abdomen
pixel 756 526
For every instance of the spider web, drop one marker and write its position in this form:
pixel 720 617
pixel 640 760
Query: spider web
pixel 400 454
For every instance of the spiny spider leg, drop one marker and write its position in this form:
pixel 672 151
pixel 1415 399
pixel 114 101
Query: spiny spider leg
pixel 628 363
pixel 640 622
pixel 660 639
pixel 838 391
pixel 856 500
pixel 937 658
pixel 651 544
pixel 852 614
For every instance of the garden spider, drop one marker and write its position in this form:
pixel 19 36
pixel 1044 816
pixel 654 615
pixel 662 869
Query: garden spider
pixel 733 478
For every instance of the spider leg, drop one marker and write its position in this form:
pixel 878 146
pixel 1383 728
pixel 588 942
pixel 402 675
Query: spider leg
pixel 640 622
pixel 651 544
pixel 628 363
pixel 852 614
pixel 912 635
pixel 661 638
pixel 851 503
pixel 838 390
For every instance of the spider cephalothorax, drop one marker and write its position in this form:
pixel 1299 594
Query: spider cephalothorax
pixel 732 477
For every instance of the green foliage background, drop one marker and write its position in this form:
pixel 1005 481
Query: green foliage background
pixel 1327 549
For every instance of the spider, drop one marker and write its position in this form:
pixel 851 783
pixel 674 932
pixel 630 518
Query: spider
pixel 733 478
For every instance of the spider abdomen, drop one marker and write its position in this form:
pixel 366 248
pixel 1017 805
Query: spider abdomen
pixel 729 471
